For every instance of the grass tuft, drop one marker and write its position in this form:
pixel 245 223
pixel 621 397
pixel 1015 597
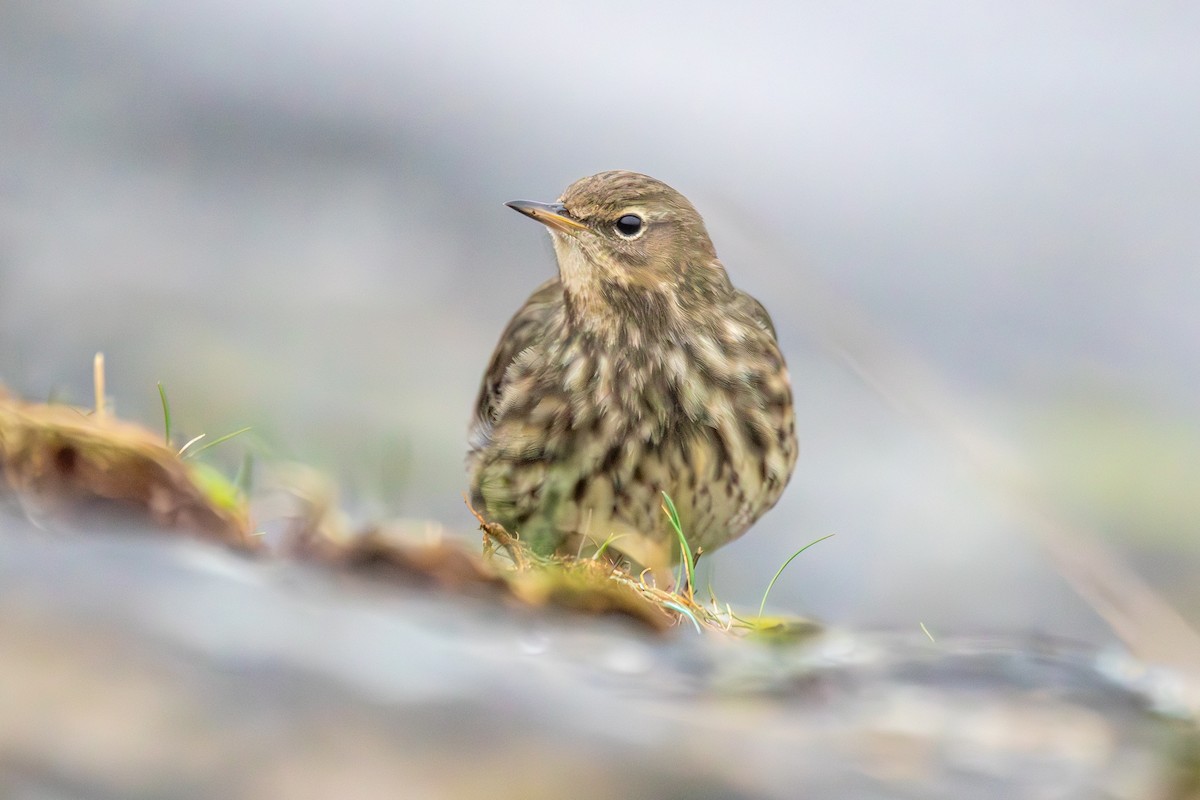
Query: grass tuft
pixel 687 562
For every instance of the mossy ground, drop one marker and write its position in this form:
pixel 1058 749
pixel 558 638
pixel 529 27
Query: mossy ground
pixel 65 459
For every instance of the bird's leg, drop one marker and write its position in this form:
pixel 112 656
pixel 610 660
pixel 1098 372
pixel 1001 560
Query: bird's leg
pixel 494 533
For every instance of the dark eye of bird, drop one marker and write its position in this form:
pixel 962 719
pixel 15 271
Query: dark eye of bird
pixel 629 225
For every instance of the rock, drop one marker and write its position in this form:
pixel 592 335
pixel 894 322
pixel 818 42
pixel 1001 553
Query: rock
pixel 140 666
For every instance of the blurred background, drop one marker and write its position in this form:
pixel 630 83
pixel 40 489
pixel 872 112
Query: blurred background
pixel 980 219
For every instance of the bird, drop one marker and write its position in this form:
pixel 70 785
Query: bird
pixel 638 370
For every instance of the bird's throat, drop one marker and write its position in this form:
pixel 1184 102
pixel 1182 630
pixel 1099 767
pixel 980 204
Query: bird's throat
pixel 607 302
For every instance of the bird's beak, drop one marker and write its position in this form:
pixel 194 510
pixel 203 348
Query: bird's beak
pixel 552 215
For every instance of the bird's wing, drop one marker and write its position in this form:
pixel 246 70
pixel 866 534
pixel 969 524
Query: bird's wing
pixel 523 331
pixel 756 310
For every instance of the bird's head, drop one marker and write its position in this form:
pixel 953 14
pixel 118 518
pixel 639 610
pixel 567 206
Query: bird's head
pixel 620 235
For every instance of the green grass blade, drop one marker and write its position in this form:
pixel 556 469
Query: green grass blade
pixel 162 393
pixel 222 440
pixel 685 550
pixel 245 475
pixel 603 548
pixel 779 571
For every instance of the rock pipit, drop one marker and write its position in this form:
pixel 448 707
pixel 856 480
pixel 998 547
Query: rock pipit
pixel 639 369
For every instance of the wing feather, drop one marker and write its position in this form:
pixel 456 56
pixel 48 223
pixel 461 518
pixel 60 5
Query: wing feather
pixel 525 330
pixel 756 310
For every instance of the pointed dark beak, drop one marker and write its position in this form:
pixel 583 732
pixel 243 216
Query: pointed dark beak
pixel 552 215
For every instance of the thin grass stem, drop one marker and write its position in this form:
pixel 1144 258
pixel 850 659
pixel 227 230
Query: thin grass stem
pixel 166 407
pixel 779 571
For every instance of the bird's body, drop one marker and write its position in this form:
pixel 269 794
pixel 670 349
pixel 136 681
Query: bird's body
pixel 638 370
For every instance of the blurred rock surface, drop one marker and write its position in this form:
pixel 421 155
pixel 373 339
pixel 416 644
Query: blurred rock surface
pixel 143 666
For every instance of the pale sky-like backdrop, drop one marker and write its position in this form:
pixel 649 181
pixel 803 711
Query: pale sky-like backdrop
pixel 291 214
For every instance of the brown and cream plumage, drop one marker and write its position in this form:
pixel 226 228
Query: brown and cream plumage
pixel 639 369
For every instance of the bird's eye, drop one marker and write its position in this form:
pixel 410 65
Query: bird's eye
pixel 629 225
